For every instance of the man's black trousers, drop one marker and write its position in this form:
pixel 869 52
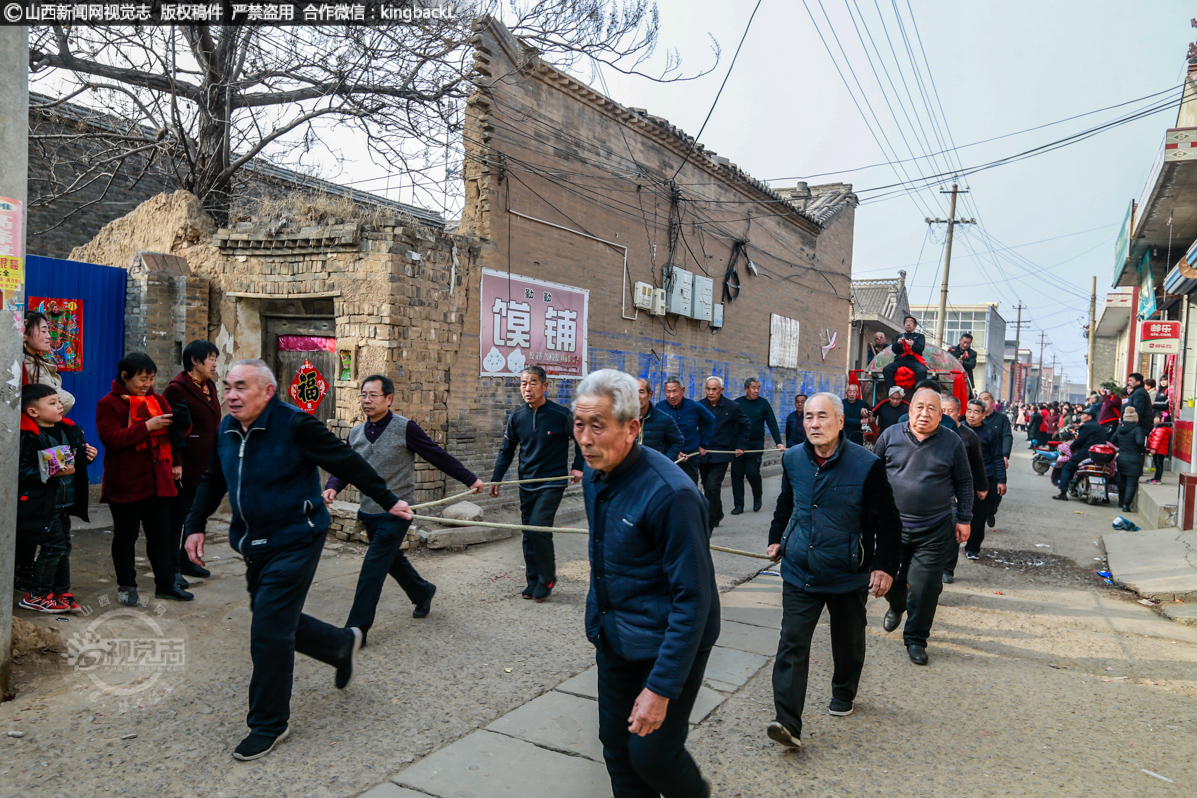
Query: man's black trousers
pixel 691 468
pixel 746 466
pixel 385 533
pixel 539 508
pixel 982 509
pixel 278 583
pixel 800 615
pixel 712 485
pixel 658 764
pixel 180 506
pixel 919 581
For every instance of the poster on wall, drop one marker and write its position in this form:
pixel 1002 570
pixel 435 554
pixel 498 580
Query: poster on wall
pixel 527 322
pixel 65 317
pixel 12 248
pixel 308 388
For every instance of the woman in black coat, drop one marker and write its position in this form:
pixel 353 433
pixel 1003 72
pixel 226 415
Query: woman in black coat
pixel 1130 440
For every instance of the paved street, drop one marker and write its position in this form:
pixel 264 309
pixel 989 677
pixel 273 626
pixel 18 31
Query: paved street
pixel 1042 681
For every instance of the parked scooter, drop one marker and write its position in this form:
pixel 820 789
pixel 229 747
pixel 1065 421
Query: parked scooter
pixel 1091 483
pixel 1045 457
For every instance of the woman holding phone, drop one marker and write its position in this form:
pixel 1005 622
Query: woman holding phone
pixel 139 477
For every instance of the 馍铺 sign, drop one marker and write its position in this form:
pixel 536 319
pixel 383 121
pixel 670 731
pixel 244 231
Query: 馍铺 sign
pixel 527 322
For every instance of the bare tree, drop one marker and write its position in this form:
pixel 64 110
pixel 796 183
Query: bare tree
pixel 204 101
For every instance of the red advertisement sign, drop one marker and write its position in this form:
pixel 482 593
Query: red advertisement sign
pixel 65 317
pixel 308 388
pixel 532 322
pixel 1159 337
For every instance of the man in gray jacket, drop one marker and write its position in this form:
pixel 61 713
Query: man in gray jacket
pixel 933 487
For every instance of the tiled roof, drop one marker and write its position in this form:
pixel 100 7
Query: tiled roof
pixel 820 203
pixel 881 297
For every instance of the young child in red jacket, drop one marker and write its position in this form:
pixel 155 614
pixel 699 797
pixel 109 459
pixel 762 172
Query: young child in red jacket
pixel 51 487
pixel 1159 444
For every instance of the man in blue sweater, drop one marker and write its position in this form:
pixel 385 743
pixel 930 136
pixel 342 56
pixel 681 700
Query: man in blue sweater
pixel 652 612
pixel 835 498
pixel 268 459
pixel 693 420
pixel 541 431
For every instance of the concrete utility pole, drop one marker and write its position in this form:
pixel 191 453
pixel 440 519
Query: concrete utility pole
pixel 14 143
pixel 1052 394
pixel 951 222
pixel 1039 382
pixel 1092 336
pixel 1016 379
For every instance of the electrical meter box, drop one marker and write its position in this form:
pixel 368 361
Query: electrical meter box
pixel 679 291
pixel 704 289
pixel 717 315
pixel 658 308
pixel 642 296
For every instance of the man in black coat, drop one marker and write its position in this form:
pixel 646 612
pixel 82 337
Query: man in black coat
pixel 1090 434
pixel 657 430
pixel 795 432
pixel 856 410
pixel 908 351
pixel 1138 398
pixel 730 433
pixel 999 423
pixel 967 356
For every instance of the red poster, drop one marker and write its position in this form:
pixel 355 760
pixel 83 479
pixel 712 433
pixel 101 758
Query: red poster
pixel 1182 440
pixel 66 329
pixel 308 388
pixel 532 322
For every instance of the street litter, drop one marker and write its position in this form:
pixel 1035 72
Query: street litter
pixel 1042 546
pixel 768 573
pixel 1115 678
pixel 16 734
pixel 1157 775
pixel 1104 574
pixel 998 593
pixel 1147 602
pixel 1053 665
pixel 507 670
pixel 129 737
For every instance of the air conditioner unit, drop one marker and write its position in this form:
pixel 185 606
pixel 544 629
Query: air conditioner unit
pixel 717 315
pixel 658 308
pixel 704 290
pixel 642 296
pixel 679 291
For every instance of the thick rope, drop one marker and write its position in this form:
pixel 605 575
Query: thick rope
pixel 567 530
pixel 685 456
pixel 465 493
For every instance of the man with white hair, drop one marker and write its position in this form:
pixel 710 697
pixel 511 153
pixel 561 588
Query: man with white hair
pixel 268 459
pixel 835 501
pixel 652 612
pixel 729 433
pixel 932 482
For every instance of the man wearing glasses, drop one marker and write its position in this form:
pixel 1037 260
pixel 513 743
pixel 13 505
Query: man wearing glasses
pixel 389 443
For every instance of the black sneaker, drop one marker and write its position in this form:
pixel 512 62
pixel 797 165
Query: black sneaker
pixel 991 521
pixel 127 596
pixel 256 745
pixel 541 592
pixel 756 505
pixel 948 578
pixel 528 590
pixel 972 555
pixel 1061 497
pixel 737 510
pixel 778 733
pixel 424 607
pixel 841 709
pixel 181 582
pixel 347 667
pixel 188 568
pixel 175 593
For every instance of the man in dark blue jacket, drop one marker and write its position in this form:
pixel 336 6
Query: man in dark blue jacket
pixel 835 500
pixel 1090 433
pixel 268 459
pixel 748 466
pixel 657 430
pixel 795 431
pixel 541 431
pixel 729 433
pixel 652 612
pixel 693 420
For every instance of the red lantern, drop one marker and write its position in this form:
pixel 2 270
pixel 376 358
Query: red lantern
pixel 308 387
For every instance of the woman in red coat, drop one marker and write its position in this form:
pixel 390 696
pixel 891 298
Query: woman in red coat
pixel 139 477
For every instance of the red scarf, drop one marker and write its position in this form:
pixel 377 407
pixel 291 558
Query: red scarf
pixel 143 408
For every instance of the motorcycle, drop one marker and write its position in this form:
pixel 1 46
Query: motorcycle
pixel 1091 482
pixel 1045 457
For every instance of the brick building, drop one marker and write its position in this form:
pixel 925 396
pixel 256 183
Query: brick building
pixel 571 201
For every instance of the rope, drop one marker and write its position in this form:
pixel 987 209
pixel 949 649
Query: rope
pixel 685 456
pixel 567 530
pixel 464 493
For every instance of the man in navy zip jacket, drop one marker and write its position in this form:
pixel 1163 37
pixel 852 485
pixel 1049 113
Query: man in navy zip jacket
pixel 838 535
pixel 693 420
pixel 652 612
pixel 541 431
pixel 657 430
pixel 728 434
pixel 268 456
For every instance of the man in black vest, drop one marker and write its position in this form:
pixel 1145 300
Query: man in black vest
pixel 541 431
pixel 268 459
pixel 835 497
pixel 729 433
pixel 389 444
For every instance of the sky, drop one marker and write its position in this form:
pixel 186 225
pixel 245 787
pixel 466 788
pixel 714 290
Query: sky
pixel 996 68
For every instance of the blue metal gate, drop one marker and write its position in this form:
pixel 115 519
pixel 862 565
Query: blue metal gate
pixel 102 292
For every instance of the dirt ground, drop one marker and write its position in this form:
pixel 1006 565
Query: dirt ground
pixel 1043 680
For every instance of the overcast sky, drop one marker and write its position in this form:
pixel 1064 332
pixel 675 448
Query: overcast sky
pixel 998 68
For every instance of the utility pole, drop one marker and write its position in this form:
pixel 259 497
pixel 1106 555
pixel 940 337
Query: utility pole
pixel 1092 336
pixel 1053 394
pixel 14 143
pixel 951 222
pixel 1017 382
pixel 1039 383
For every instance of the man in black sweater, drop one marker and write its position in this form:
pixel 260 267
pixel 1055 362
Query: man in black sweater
pixel 967 356
pixel 760 414
pixel 541 431
pixel 1089 434
pixel 890 412
pixel 908 351
pixel 1000 424
pixel 729 433
pixel 856 410
pixel 933 488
